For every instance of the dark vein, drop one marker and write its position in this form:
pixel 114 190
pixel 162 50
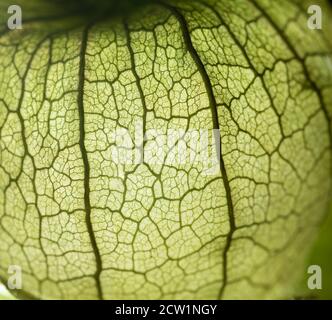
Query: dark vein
pixel 138 84
pixel 25 144
pixel 87 203
pixel 301 60
pixel 250 64
pixel 213 105
pixel 306 73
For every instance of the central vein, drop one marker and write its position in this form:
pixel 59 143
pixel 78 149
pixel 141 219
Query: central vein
pixel 87 203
